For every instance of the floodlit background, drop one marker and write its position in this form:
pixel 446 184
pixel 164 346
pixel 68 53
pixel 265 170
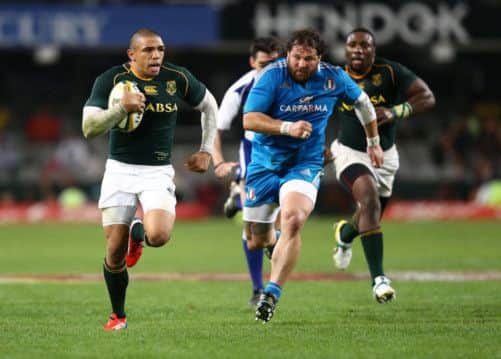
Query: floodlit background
pixel 51 52
pixel 189 299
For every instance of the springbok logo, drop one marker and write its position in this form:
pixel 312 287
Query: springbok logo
pixel 171 87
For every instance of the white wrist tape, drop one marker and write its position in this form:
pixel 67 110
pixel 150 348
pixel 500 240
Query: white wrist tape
pixel 372 141
pixel 284 128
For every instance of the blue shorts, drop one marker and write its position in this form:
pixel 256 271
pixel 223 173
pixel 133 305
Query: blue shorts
pixel 262 185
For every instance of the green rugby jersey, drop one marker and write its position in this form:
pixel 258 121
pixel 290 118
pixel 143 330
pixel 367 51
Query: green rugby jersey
pixel 385 84
pixel 151 142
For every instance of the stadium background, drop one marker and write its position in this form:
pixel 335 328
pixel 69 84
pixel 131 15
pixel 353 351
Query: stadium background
pixel 189 300
pixel 52 51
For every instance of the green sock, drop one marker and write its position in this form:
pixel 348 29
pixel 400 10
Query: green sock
pixel 373 249
pixel 116 282
pixel 348 232
pixel 137 232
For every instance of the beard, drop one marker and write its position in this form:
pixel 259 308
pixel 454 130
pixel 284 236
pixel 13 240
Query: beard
pixel 301 75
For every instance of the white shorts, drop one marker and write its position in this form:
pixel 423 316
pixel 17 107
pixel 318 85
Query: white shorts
pixel 124 185
pixel 345 156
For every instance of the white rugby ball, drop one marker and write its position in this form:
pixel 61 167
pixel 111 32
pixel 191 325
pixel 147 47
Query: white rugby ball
pixel 133 119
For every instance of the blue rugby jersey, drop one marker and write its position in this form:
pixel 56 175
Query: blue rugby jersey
pixel 276 94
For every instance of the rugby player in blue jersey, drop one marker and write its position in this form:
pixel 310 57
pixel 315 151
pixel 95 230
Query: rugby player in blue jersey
pixel 263 50
pixel 289 107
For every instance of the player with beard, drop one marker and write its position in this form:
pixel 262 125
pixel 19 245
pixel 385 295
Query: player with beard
pixel 263 51
pixel 288 108
pixel 396 93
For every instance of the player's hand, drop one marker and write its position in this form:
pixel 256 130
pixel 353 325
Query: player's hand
pixel 384 115
pixel 223 169
pixel 198 162
pixel 328 155
pixel 376 155
pixel 300 129
pixel 133 102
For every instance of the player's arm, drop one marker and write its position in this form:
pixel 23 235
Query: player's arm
pixel 221 167
pixel 96 121
pixel 419 99
pixel 366 114
pixel 261 122
pixel 259 102
pixel 228 110
pixel 199 162
pixel 217 150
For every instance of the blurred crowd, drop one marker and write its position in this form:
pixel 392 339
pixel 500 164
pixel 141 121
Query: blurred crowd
pixel 470 143
pixel 45 153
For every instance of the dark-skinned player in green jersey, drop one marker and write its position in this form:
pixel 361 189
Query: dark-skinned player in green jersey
pixel 397 93
pixel 138 168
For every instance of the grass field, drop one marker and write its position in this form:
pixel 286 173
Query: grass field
pixel 210 319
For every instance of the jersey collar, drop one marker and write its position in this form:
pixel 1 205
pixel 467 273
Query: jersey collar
pixel 141 77
pixel 357 76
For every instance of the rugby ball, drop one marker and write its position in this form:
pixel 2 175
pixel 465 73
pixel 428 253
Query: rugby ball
pixel 130 122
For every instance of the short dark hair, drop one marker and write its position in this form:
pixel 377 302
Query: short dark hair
pixel 142 32
pixel 265 44
pixel 365 30
pixel 307 37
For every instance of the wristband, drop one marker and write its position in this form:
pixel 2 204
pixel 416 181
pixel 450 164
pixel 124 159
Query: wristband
pixel 372 141
pixel 219 164
pixel 284 128
pixel 402 110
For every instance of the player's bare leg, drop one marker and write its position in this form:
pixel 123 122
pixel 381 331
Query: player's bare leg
pixel 116 244
pixel 259 235
pixel 158 225
pixel 155 233
pixel 365 192
pixel 296 208
pixel 262 235
pixel 115 273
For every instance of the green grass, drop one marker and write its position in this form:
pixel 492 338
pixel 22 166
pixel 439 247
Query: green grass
pixel 215 246
pixel 318 320
pixel 212 320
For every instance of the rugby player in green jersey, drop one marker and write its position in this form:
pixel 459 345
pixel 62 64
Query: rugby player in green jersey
pixel 396 93
pixel 138 168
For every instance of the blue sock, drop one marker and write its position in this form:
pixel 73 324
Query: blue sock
pixel 273 288
pixel 255 264
pixel 238 203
